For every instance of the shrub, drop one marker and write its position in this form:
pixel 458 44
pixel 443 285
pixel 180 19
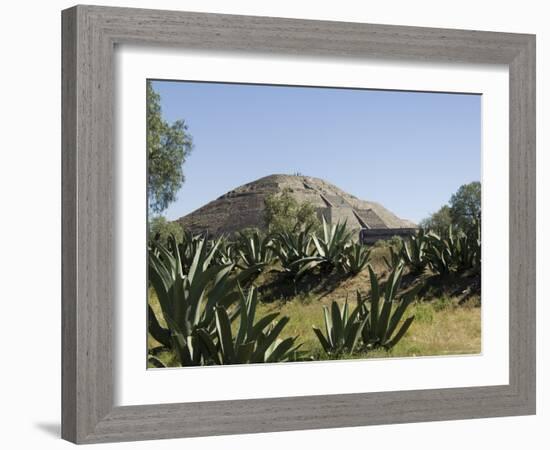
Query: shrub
pixel 282 212
pixel 161 229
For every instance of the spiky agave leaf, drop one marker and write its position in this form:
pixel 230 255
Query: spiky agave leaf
pixel 384 314
pixel 355 258
pixel 188 300
pixel 413 251
pixel 394 259
pixel 342 329
pixel 254 342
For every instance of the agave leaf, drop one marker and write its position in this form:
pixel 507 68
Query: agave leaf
pixel 305 260
pixel 269 338
pixel 382 323
pixel 222 293
pixel 328 327
pixel 225 339
pixel 177 256
pixel 262 324
pixel 324 343
pixel 337 324
pixel 208 347
pixel 252 303
pixel 159 333
pixel 213 275
pixel 375 298
pixel 157 274
pixel 351 320
pixel 244 322
pixel 244 352
pixel 199 255
pixel 318 246
pixel 182 352
pixel 404 328
pixel 399 311
pixel 159 270
pixel 180 344
pixel 345 313
pixel 155 362
pixel 307 267
pixel 280 350
pixel 178 299
pixel 354 332
pixel 393 283
pixel 325 229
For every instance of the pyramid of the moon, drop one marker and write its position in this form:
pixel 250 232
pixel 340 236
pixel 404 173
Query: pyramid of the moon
pixel 243 207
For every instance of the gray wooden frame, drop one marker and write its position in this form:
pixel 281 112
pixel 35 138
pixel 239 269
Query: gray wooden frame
pixel 90 34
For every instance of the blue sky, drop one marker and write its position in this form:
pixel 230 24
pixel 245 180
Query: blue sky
pixel 410 151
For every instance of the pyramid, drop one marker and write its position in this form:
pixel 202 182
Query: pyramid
pixel 243 207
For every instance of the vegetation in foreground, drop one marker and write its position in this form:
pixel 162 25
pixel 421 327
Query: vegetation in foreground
pixel 442 326
pixel 207 308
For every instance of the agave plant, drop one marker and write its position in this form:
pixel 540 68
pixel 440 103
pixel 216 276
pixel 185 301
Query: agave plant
pixel 254 341
pixel 466 249
pixel 462 253
pixel 330 248
pixel 155 362
pixel 187 300
pixel 413 251
pixel 439 255
pixel 185 249
pixel 474 241
pixel 255 251
pixel 455 252
pixel 227 252
pixel 355 258
pixel 393 260
pixel 342 329
pixel 292 247
pixel 383 327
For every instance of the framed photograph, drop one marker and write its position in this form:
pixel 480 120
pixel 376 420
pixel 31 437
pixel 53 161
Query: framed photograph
pixel 277 224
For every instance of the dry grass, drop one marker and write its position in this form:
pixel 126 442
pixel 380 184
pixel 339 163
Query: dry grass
pixel 441 327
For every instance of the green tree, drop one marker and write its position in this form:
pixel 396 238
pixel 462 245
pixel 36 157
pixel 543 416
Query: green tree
pixel 160 228
pixel 463 210
pixel 465 205
pixel 439 221
pixel 167 149
pixel 282 212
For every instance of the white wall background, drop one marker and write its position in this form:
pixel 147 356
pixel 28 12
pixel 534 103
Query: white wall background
pixel 30 227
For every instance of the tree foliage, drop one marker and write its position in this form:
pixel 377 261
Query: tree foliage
pixel 439 221
pixel 283 213
pixel 160 229
pixel 466 206
pixel 168 146
pixel 462 212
